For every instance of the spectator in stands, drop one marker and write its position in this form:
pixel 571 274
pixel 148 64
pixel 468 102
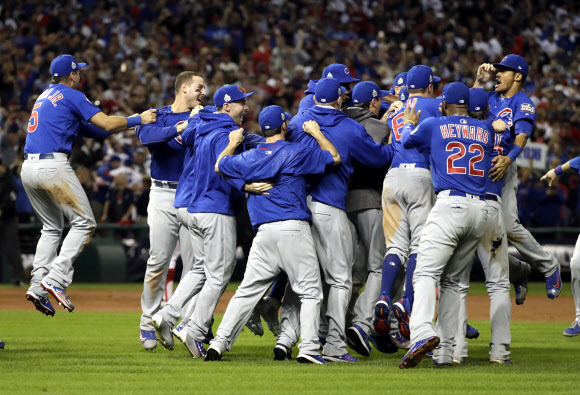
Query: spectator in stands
pixel 9 240
pixel 119 203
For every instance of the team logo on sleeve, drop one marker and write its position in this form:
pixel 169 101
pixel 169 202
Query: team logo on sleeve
pixel 507 116
pixel 527 107
pixel 178 139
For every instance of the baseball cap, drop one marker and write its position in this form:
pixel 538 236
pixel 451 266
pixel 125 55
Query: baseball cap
pixel 271 117
pixel 64 65
pixel 228 94
pixel 514 62
pixel 421 76
pixel 288 116
pixel 311 86
pixel 115 158
pixel 338 71
pixel 478 99
pixel 456 93
pixel 366 91
pixel 328 90
pixel 400 80
pixel 403 94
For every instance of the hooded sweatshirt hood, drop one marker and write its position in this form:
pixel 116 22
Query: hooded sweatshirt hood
pixel 359 114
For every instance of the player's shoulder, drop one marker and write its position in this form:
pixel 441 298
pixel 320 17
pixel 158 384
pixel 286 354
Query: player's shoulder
pixel 164 110
pixel 524 103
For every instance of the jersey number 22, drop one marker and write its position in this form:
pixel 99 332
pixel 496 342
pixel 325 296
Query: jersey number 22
pixel 458 151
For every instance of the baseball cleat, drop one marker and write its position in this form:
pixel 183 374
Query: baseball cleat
pixel 268 308
pixel 254 324
pixel 163 331
pixel 574 330
pixel 148 339
pixel 441 364
pixel 471 332
pixel 418 350
pixel 282 353
pixel 554 284
pixel 315 359
pixel 383 344
pixel 402 310
pixel 506 361
pixel 180 332
pixel 59 294
pixel 521 287
pixel 343 358
pixel 195 348
pixel 400 341
pixel 381 318
pixel 41 303
pixel 459 360
pixel 213 354
pixel 357 339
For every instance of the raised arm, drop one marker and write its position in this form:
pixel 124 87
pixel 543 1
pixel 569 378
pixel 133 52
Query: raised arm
pixel 313 129
pixel 551 175
pixel 236 137
pixel 114 124
pixel 484 74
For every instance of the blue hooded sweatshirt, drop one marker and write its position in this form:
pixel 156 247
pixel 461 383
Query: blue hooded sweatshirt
pixel 352 142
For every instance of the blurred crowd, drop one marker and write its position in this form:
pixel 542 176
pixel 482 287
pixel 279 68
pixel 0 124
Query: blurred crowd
pixel 135 49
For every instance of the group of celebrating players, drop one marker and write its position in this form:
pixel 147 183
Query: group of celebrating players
pixel 359 184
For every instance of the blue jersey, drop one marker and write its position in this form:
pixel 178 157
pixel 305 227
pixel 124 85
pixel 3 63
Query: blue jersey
pixel 164 143
pixel 352 143
pixel 459 148
pixel 575 164
pixel 429 108
pixel 518 112
pixel 285 165
pixel 55 119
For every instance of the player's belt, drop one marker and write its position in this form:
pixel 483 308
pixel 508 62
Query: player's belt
pixel 491 196
pixel 40 156
pixel 165 184
pixel 463 194
pixel 412 166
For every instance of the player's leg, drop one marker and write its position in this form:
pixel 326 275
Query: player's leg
pixel 523 240
pixel 359 267
pixel 574 329
pixel 163 233
pixel 519 275
pixel 170 278
pixel 333 244
pixel 289 322
pixel 460 347
pixel 269 306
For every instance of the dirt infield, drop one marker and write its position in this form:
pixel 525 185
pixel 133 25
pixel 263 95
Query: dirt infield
pixel 536 308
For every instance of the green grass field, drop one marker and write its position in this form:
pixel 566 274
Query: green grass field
pixel 88 352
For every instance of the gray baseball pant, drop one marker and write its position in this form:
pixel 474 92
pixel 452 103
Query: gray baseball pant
pixel 575 271
pixel 56 193
pixel 278 246
pixel 460 348
pixel 451 234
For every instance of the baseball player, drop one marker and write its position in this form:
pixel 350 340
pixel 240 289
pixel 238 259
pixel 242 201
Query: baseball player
pixel 59 113
pixel 517 110
pixel 331 229
pixel 492 253
pixel 407 200
pixel 550 177
pixel 460 150
pixel 163 140
pixel 283 240
pixel 363 206
pixel 308 100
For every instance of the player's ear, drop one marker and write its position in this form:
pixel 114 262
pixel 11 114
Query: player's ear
pixel 518 77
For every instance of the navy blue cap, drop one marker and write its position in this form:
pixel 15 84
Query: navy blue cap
pixel 421 76
pixel 288 116
pixel 400 80
pixel 228 94
pixel 64 65
pixel 311 86
pixel 403 94
pixel 456 93
pixel 478 99
pixel 514 62
pixel 338 71
pixel 328 90
pixel 365 91
pixel 271 117
pixel 114 158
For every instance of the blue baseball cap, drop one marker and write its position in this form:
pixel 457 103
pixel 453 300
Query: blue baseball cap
pixel 288 116
pixel 366 91
pixel 271 117
pixel 311 86
pixel 328 90
pixel 338 71
pixel 421 76
pixel 228 94
pixel 514 62
pixel 403 94
pixel 400 80
pixel 456 93
pixel 478 99
pixel 64 65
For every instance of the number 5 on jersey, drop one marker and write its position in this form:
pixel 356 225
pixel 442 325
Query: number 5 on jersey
pixel 459 151
pixel 33 121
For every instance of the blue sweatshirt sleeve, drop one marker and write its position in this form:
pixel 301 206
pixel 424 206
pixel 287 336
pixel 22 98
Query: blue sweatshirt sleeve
pixel 91 131
pixel 368 153
pixel 154 134
pixel 219 144
pixel 418 137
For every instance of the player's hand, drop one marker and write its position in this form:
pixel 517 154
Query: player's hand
pixel 499 166
pixel 311 128
pixel 237 136
pixel 181 125
pixel 195 110
pixel 485 72
pixel 549 177
pixel 396 106
pixel 411 115
pixel 259 187
pixel 499 126
pixel 148 116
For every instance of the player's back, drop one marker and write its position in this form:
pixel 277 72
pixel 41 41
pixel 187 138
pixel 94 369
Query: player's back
pixel 55 119
pixel 429 108
pixel 460 153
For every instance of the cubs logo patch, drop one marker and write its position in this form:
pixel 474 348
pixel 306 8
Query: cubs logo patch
pixel 346 70
pixel 527 107
pixel 178 139
pixel 506 115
